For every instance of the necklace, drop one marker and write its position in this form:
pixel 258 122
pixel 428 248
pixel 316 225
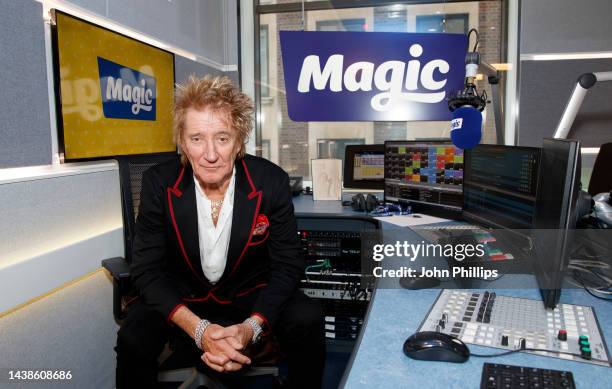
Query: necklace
pixel 215 209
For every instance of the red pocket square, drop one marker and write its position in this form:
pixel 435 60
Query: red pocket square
pixel 261 225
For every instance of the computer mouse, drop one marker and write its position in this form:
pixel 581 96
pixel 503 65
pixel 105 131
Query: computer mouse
pixel 418 282
pixel 436 346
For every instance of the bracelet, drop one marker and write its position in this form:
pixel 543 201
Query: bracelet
pixel 257 330
pixel 199 332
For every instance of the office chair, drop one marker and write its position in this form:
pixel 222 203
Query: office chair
pixel 131 169
pixel 172 366
pixel 601 177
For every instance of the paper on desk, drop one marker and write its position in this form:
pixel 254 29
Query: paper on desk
pixel 411 220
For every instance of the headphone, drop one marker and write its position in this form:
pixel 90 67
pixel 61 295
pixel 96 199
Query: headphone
pixel 361 203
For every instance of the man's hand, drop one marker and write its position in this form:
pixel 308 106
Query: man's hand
pixel 238 335
pixel 222 353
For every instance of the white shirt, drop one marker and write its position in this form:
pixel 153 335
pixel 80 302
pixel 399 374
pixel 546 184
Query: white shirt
pixel 214 241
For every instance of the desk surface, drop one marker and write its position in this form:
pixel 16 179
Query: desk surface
pixel 395 314
pixel 304 204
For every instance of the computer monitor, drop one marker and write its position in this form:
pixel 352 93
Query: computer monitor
pixel 500 186
pixel 114 94
pixel 425 174
pixel 364 167
pixel 555 214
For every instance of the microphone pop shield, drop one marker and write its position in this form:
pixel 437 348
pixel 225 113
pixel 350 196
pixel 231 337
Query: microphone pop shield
pixel 466 127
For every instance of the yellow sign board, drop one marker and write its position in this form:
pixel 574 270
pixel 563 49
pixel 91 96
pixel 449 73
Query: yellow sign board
pixel 116 92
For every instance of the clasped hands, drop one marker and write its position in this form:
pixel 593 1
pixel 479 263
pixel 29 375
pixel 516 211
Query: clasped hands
pixel 223 346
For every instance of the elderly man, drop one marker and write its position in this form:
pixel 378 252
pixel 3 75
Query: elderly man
pixel 216 256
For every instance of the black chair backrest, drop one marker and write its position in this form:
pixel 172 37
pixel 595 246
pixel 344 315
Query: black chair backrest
pixel 131 169
pixel 601 177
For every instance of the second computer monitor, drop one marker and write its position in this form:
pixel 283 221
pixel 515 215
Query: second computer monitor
pixel 500 186
pixel 364 167
pixel 555 214
pixel 425 174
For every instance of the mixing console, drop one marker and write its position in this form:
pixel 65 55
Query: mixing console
pixel 484 318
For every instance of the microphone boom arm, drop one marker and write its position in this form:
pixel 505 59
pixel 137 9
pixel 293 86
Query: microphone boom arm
pixel 584 83
pixel 493 77
pixel 497 105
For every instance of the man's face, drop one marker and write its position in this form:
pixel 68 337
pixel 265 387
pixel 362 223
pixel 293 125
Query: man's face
pixel 211 145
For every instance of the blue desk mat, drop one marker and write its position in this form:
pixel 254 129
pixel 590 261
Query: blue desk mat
pixel 396 314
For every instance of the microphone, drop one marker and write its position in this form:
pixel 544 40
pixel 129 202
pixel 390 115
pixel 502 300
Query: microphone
pixel 466 106
pixel 466 127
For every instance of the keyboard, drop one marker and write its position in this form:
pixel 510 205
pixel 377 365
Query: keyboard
pixel 497 376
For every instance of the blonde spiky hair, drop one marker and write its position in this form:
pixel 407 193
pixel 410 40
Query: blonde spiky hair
pixel 219 94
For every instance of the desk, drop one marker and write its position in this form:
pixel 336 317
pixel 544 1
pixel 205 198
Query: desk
pixel 395 314
pixel 305 205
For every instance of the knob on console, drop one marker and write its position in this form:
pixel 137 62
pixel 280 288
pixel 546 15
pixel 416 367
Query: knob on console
pixel 504 340
pixel 562 335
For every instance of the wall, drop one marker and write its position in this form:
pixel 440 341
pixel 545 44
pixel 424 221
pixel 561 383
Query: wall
pixel 562 28
pixel 25 132
pixel 565 26
pixel 50 334
pixel 58 224
pixel 183 67
pixel 207 28
pixel 545 88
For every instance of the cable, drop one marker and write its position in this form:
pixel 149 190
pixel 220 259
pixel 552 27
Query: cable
pixel 587 264
pixel 325 264
pixel 576 276
pixel 581 267
pixel 590 262
pixel 599 277
pixel 589 253
pixel 473 30
pixel 534 349
pixel 494 355
pixel 596 296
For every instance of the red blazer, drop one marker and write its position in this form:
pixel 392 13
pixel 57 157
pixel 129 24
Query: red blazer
pixel 264 254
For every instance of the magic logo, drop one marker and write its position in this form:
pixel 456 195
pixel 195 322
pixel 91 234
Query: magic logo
pixel 371 76
pixel 126 93
pixel 389 78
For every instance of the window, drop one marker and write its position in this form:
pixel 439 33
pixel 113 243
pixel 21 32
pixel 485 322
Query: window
pixel 334 148
pixel 265 148
pixel 455 23
pixel 341 25
pixel 264 57
pixel 293 144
